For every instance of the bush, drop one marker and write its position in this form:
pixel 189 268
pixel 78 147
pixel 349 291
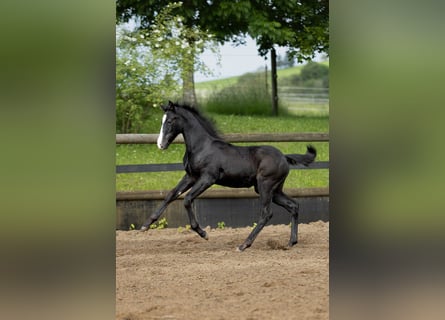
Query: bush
pixel 150 65
pixel 315 75
pixel 142 81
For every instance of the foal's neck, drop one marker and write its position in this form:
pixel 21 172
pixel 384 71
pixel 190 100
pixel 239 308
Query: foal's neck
pixel 195 136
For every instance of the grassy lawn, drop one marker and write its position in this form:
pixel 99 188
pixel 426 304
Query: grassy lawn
pixel 141 154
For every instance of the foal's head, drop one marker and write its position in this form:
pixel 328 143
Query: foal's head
pixel 171 126
pixel 178 118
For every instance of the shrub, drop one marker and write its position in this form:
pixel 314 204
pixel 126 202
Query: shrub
pixel 315 75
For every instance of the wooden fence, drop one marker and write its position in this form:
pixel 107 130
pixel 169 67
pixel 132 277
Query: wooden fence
pixel 228 205
pixel 152 138
pixel 261 137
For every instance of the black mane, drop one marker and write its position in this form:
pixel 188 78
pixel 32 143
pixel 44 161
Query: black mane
pixel 206 123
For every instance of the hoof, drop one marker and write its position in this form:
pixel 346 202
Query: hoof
pixel 241 248
pixel 292 243
pixel 143 228
pixel 205 236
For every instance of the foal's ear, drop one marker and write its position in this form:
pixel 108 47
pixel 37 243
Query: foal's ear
pixel 169 107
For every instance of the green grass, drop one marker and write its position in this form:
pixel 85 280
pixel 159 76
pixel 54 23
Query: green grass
pixel 219 83
pixel 306 109
pixel 299 118
pixel 283 73
pixel 259 124
pixel 224 96
pixel 141 154
pixel 249 100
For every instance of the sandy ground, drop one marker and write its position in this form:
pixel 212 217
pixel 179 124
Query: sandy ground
pixel 174 274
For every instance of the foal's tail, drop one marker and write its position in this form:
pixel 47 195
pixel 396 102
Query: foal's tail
pixel 303 159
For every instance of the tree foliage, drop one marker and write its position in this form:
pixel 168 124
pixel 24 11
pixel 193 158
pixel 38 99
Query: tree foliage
pixel 139 84
pixel 150 65
pixel 300 25
pixel 224 19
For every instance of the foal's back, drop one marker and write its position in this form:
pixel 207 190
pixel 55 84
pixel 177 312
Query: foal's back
pixel 241 166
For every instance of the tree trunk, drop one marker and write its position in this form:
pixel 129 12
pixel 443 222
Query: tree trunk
pixel 188 80
pixel 188 88
pixel 273 61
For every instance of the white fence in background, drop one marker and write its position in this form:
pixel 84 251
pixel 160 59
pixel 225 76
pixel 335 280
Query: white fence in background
pixel 304 95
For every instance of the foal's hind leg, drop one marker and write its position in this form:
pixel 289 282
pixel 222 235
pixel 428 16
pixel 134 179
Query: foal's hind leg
pixel 292 206
pixel 265 191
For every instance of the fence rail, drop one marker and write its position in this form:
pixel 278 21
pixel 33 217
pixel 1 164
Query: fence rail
pixel 254 137
pixel 304 95
pixel 152 138
pixel 222 193
pixel 165 167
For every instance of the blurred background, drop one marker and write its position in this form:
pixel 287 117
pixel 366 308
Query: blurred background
pixel 58 125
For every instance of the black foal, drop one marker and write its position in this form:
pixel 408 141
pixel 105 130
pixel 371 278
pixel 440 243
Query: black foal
pixel 210 160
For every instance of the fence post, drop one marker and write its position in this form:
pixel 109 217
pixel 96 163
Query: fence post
pixel 273 58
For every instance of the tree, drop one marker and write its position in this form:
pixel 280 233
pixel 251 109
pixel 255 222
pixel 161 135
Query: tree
pixel 139 84
pixel 300 25
pixel 150 64
pixel 194 17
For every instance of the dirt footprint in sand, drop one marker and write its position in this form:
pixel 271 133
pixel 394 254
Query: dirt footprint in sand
pixel 276 245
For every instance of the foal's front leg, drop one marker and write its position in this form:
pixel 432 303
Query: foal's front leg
pixel 183 185
pixel 203 183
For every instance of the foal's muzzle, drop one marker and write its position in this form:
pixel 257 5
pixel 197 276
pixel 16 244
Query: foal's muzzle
pixel 163 145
